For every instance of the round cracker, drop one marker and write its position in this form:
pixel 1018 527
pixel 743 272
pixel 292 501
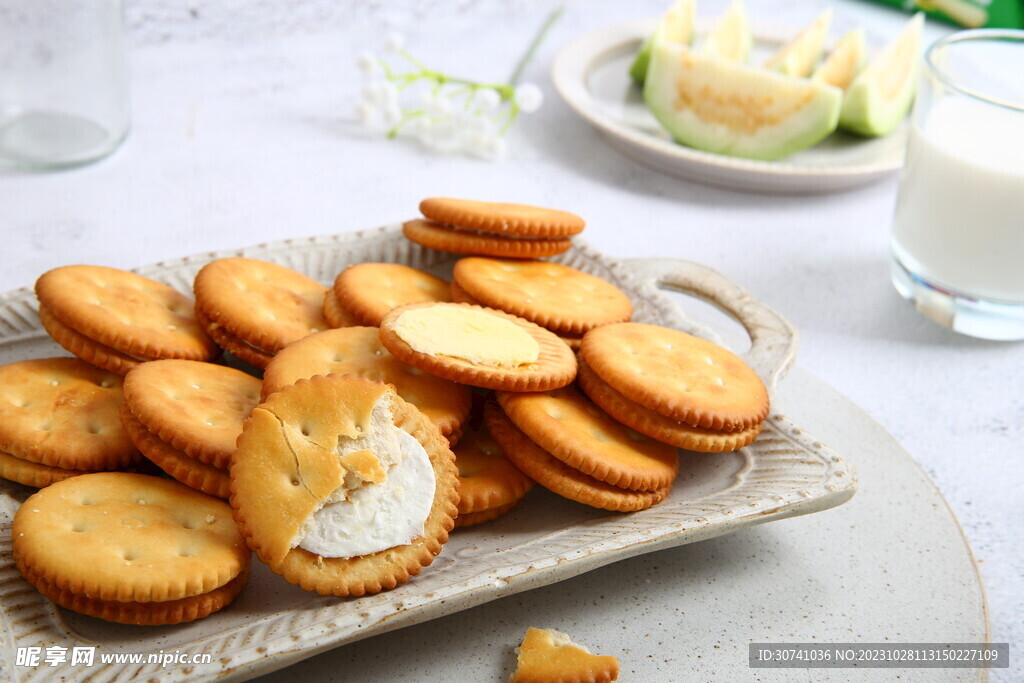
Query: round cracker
pixel 667 430
pixel 445 238
pixel 63 412
pixel 555 366
pixel 147 539
pixel 89 350
pixel 560 298
pixel 125 311
pixel 358 351
pixel 263 304
pixel 256 479
pixel 521 220
pixel 556 476
pixel 473 518
pixel 196 407
pixel 461 296
pixel 142 613
pixel 486 477
pixel 334 313
pixel 33 473
pixel 238 348
pixel 175 463
pixel 369 290
pixel 677 375
pixel 574 430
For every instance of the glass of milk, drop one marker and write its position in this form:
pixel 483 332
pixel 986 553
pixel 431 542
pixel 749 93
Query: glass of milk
pixel 958 233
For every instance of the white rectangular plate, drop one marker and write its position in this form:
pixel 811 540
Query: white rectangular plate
pixel 545 540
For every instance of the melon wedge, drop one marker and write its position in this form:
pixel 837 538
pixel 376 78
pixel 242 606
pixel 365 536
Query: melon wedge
pixel 880 95
pixel 845 61
pixel 730 38
pixel 720 106
pixel 675 27
pixel 798 57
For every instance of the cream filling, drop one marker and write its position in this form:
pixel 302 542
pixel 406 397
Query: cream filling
pixel 363 517
pixel 469 334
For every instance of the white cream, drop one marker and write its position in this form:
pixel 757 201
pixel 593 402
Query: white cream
pixel 362 517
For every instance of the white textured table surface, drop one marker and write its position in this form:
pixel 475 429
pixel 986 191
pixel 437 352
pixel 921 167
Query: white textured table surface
pixel 242 133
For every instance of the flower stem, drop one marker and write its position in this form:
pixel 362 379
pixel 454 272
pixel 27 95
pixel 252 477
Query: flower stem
pixel 521 65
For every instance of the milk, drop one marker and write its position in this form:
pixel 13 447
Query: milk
pixel 960 215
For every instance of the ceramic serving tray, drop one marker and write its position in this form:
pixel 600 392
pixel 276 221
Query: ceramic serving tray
pixel 546 539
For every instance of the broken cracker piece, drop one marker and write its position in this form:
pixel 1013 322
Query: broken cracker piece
pixel 549 656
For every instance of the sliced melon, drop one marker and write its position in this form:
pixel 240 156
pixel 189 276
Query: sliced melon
pixel 730 38
pixel 720 106
pixel 880 95
pixel 676 27
pixel 845 61
pixel 798 57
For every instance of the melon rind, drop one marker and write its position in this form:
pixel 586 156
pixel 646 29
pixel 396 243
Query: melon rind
pixel 715 105
pixel 676 26
pixel 881 94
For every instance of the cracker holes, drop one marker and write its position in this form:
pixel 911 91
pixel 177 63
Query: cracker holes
pixel 94 429
pixel 46 427
pixel 54 382
pixel 188 524
pixel 105 384
pixel 79 527
pixel 306 429
pixel 130 555
pixel 87 501
pixel 172 328
pixel 186 552
pixel 295 481
pixel 20 402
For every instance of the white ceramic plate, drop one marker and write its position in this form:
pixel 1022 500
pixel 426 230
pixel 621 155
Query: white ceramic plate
pixel 591 75
pixel 785 473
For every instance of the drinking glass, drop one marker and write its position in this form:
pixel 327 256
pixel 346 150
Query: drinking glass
pixel 958 231
pixel 63 82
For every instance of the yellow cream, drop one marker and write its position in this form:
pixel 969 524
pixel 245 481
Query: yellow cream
pixel 466 333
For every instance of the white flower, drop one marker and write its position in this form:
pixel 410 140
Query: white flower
pixel 367 63
pixel 420 129
pixel 388 95
pixel 487 100
pixel 366 113
pixel 391 115
pixel 489 147
pixel 529 97
pixel 395 42
pixel 474 124
pixel 438 106
pixel 373 92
